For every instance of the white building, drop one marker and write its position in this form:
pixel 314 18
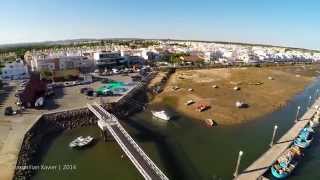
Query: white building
pixel 60 63
pixel 108 59
pixel 15 70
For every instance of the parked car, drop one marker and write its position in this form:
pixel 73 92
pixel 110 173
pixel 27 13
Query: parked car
pixel 106 80
pixel 8 111
pixel 115 71
pixel 136 78
pixel 50 92
pixel 84 90
pixel 90 92
pixel 87 91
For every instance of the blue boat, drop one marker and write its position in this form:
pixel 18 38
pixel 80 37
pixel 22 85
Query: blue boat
pixel 304 138
pixel 286 163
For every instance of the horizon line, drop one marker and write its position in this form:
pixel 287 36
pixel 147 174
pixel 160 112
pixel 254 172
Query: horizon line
pixel 160 39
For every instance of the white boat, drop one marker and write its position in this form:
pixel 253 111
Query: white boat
pixel 189 102
pixel 240 104
pixel 161 115
pixel 39 102
pixel 81 141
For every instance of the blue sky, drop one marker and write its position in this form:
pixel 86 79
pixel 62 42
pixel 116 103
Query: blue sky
pixel 279 22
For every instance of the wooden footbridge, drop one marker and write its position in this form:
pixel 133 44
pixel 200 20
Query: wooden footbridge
pixel 259 167
pixel 108 122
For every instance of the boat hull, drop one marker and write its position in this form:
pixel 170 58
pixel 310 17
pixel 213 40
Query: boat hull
pixel 278 175
pixel 161 116
pixel 302 143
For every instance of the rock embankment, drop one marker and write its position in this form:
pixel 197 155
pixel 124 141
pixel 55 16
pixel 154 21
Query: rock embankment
pixel 157 84
pixel 54 123
pixel 47 125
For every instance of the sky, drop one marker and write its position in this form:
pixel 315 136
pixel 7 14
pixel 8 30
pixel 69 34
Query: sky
pixel 292 23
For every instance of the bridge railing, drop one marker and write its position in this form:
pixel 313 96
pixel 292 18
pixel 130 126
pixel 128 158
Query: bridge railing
pixel 135 145
pixel 122 145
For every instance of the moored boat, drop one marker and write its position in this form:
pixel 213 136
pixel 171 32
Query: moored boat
pixel 286 163
pixel 202 107
pixel 161 115
pixel 81 141
pixel 304 138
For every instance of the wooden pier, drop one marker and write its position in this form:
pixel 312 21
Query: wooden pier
pixel 259 167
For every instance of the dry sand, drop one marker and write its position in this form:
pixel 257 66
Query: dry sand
pixel 270 95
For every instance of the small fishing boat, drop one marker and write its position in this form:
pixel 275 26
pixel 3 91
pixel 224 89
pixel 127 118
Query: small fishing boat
pixel 209 122
pixel 161 115
pixel 202 107
pixel 81 141
pixel 304 138
pixel 175 88
pixel 286 163
pixel 240 104
pixel 236 88
pixel 189 102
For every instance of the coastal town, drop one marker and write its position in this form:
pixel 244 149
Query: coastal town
pixel 214 84
pixel 159 90
pixel 86 55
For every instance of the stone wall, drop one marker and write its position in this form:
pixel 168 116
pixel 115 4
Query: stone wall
pixel 47 125
pixel 159 86
pixel 54 123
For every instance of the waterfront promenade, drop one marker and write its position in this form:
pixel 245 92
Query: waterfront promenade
pixel 259 167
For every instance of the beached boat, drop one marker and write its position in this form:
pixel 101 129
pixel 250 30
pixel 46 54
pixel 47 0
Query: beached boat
pixel 209 122
pixel 240 104
pixel 175 88
pixel 81 141
pixel 189 102
pixel 304 138
pixel 236 88
pixel 286 163
pixel 161 115
pixel 202 107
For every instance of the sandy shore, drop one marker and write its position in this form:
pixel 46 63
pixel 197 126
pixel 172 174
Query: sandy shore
pixel 256 89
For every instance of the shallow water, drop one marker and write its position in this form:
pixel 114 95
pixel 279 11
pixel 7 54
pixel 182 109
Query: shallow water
pixel 183 148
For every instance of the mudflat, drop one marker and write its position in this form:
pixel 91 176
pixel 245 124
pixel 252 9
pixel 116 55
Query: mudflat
pixel 263 89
